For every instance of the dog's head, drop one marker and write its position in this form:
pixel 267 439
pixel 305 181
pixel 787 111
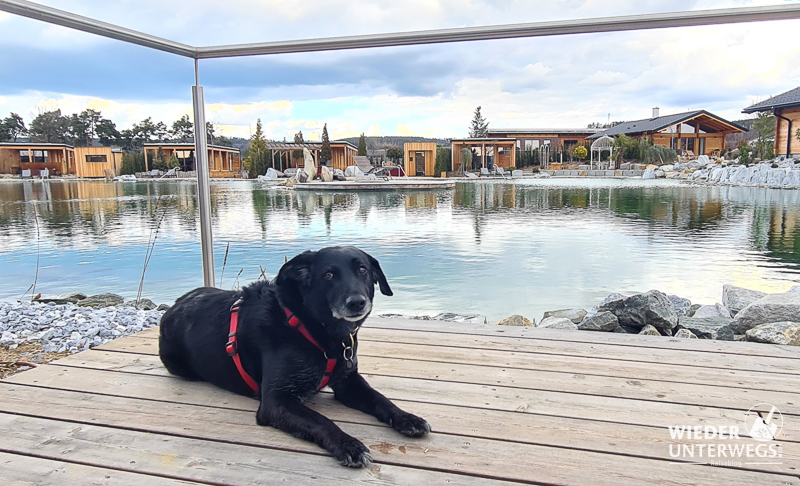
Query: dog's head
pixel 333 285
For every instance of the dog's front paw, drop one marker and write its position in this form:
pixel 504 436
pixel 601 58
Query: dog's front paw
pixel 351 452
pixel 410 425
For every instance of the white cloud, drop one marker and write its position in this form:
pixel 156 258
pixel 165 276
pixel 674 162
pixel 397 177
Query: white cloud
pixel 565 81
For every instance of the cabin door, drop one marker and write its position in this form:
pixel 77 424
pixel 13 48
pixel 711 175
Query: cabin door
pixel 419 159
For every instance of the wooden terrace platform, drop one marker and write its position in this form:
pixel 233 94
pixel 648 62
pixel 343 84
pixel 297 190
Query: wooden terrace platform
pixel 507 406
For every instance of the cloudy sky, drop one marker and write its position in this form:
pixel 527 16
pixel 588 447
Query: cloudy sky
pixel 564 81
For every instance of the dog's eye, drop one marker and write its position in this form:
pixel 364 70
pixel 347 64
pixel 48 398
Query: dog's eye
pixel 362 270
pixel 328 275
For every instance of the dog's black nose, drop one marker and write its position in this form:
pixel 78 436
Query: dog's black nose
pixel 356 303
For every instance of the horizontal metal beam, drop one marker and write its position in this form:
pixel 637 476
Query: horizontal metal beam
pixel 537 29
pixel 78 22
pixel 464 34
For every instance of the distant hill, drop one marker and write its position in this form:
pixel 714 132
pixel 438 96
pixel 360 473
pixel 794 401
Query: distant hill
pixel 384 142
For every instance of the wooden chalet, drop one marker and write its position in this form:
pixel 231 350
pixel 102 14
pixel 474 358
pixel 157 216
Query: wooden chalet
pixel 58 158
pixel 786 108
pixel 419 159
pixel 97 161
pixel 222 161
pixel 342 154
pixel 695 132
pixel 556 138
pixel 486 152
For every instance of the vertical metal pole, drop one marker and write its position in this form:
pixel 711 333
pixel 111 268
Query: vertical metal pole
pixel 203 193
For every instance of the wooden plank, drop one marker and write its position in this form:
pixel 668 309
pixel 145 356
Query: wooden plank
pixel 549 403
pixel 698 359
pixel 575 383
pixel 236 462
pixel 551 363
pixel 628 340
pixel 221 424
pixel 20 470
pixel 201 460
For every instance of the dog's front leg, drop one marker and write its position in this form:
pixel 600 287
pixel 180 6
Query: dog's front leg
pixel 291 416
pixel 355 392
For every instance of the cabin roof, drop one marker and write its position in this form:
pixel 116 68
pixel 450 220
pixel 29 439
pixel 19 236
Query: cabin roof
pixel 544 131
pixel 188 146
pixel 35 144
pixel 783 100
pixel 648 125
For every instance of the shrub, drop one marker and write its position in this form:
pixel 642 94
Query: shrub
pixel 510 168
pixel 580 152
pixel 443 160
pixel 131 164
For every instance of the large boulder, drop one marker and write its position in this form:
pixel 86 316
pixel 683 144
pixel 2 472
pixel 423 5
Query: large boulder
pixel 737 298
pixel 574 315
pixel 143 304
pixel 515 320
pixel 557 323
pixel 639 310
pixel 716 310
pixel 685 334
pixel 680 304
pixel 649 330
pixel 308 164
pixel 104 300
pixel 70 298
pixel 327 175
pixel 708 327
pixel 602 321
pixel 776 333
pixel 768 309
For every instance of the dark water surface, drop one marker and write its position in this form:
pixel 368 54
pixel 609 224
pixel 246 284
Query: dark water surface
pixel 492 248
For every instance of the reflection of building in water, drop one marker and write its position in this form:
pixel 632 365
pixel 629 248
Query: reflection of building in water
pixel 418 200
pixel 486 196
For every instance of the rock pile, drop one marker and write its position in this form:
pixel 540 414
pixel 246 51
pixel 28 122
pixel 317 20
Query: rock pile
pixel 743 314
pixel 74 322
pixel 781 172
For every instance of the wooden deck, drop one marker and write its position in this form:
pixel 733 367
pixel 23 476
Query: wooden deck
pixel 507 405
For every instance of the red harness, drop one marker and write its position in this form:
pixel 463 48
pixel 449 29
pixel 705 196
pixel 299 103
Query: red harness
pixel 233 351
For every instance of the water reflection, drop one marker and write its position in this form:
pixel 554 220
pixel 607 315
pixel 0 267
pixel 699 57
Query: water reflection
pixel 490 247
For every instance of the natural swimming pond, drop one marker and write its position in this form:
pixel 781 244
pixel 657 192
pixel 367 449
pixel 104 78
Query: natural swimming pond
pixel 490 247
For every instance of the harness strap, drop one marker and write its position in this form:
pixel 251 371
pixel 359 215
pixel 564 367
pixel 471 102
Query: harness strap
pixel 232 348
pixel 330 364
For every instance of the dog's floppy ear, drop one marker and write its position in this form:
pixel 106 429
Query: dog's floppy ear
pixel 378 277
pixel 297 270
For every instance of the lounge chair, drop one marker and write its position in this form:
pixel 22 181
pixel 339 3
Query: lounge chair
pixel 25 174
pixel 499 171
pixel 362 162
pixel 44 173
pixel 484 172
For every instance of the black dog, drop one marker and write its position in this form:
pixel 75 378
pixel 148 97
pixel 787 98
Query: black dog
pixel 292 337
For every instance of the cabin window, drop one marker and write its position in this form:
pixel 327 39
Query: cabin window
pixel 42 156
pixel 96 158
pixel 686 128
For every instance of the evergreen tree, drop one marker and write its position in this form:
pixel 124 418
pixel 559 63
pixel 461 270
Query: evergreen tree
pixel 325 153
pixel 395 153
pixel 107 133
pixel 362 145
pixel 12 127
pixel 256 160
pixel 50 127
pixel 298 138
pixel 479 127
pixel 182 129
